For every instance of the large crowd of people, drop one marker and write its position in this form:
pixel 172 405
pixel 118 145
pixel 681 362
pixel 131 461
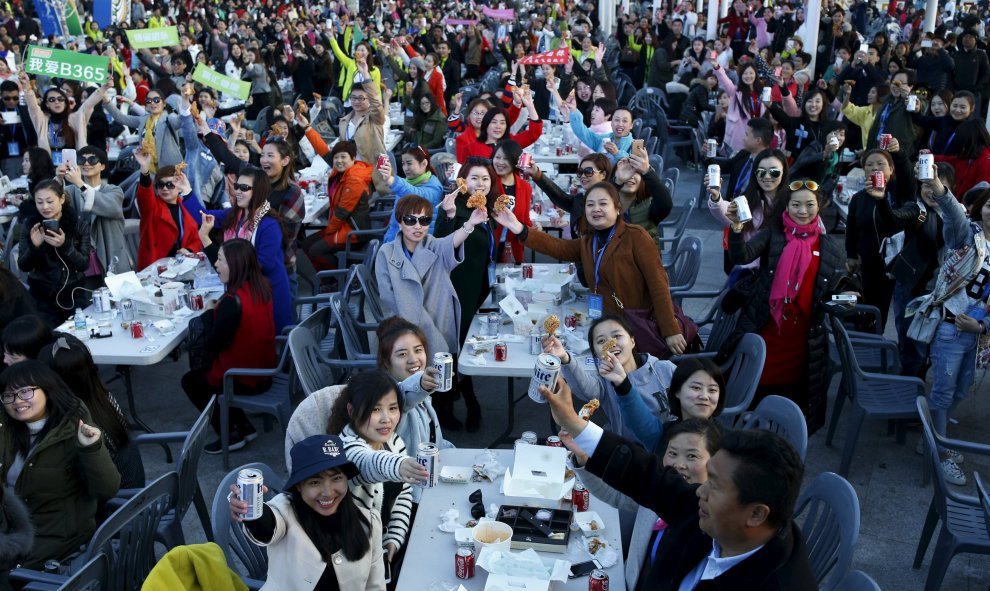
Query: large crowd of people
pixel 853 159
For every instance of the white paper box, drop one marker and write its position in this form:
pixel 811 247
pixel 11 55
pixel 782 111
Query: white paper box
pixel 506 583
pixel 537 471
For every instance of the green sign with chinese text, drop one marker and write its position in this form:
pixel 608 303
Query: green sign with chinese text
pixel 209 77
pixel 149 38
pixel 57 63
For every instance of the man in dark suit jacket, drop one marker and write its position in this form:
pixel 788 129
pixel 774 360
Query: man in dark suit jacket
pixel 451 69
pixel 734 532
pixel 758 136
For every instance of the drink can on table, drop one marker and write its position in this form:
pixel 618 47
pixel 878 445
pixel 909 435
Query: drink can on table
pixel 742 209
pixel 879 182
pixel 464 563
pixel 196 302
pixel 250 482
pixel 926 165
pixel 537 208
pixel 529 437
pixel 711 148
pixel 501 351
pixel 527 271
pixel 535 341
pixel 598 581
pixel 137 330
pixel 102 300
pixel 444 363
pixel 161 269
pixel 554 441
pixel 883 142
pixel 765 95
pixel 580 497
pixel 428 456
pixel 126 310
pixel 545 373
pixel 714 176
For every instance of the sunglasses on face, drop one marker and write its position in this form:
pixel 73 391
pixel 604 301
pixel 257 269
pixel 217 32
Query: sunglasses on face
pixel 773 172
pixel 12 98
pixel 411 220
pixel 242 188
pixel 165 185
pixel 589 171
pixel 55 99
pixel 796 185
pixel 155 99
pixel 91 160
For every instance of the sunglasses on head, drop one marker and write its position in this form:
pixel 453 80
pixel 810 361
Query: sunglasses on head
pixel 242 187
pixel 154 99
pixel 773 172
pixel 589 171
pixel 797 185
pixel 90 160
pixel 411 220
pixel 55 99
pixel 165 185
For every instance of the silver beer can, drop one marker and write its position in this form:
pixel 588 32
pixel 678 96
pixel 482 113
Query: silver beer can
pixel 765 95
pixel 545 373
pixel 742 209
pixel 912 103
pixel 428 456
pixel 926 165
pixel 126 310
pixel 714 176
pixel 101 298
pixel 711 148
pixel 444 363
pixel 251 485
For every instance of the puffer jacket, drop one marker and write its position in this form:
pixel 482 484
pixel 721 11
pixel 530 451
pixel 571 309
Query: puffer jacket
pixel 47 274
pixel 61 484
pixel 768 245
pixel 349 203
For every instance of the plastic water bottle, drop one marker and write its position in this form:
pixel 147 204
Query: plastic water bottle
pixel 79 321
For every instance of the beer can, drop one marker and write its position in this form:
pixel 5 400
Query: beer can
pixel 598 581
pixel 464 563
pixel 742 209
pixel 102 300
pixel 501 351
pixel 560 151
pixel 492 322
pixel 545 373
pixel 444 363
pixel 711 148
pixel 428 456
pixel 714 176
pixel 570 321
pixel 766 95
pixel 382 161
pixel 126 310
pixel 571 268
pixel 196 302
pixel 527 271
pixel 879 182
pixel 525 160
pixel 926 165
pixel 834 142
pixel 529 437
pixel 137 330
pixel 883 142
pixel 250 482
pixel 580 497
pixel 554 441
pixel 161 269
pixel 535 342
pixel 912 103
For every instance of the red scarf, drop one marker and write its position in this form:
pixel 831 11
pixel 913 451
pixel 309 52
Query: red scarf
pixel 793 263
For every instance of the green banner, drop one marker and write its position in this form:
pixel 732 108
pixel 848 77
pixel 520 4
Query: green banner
pixel 149 38
pixel 57 63
pixel 209 77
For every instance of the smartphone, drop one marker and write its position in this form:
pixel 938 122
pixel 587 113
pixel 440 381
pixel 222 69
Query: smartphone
pixel 638 144
pixel 864 47
pixel 844 298
pixel 583 569
pixel 50 225
pixel 713 55
pixel 388 571
pixel 69 157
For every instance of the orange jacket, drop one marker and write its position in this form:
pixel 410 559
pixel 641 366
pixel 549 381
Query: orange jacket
pixel 349 209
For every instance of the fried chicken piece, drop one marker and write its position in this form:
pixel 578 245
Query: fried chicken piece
pixel 194 109
pixel 589 409
pixel 180 167
pixel 502 203
pixel 551 324
pixel 477 200
pixel 147 145
pixel 462 186
pixel 607 346
pixel 301 106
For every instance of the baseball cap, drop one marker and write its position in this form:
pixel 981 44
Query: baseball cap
pixel 316 454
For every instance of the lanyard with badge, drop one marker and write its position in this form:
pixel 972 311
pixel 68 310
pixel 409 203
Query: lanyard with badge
pixel 492 279
pixel 595 299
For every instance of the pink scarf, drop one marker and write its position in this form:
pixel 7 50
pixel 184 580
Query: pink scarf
pixel 793 263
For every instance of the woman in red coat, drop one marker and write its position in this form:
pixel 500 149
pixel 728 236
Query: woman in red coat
pixel 495 128
pixel 166 226
pixel 972 162
pixel 505 161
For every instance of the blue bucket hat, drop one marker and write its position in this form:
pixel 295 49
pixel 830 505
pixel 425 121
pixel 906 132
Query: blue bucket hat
pixel 316 454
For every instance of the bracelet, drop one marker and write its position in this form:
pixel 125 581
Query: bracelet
pixel 465 228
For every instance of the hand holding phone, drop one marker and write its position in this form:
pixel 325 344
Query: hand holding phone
pixel 69 157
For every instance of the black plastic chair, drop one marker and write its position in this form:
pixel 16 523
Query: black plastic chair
pixel 742 370
pixel 230 536
pixel 93 576
pixel 679 224
pixel 781 416
pixel 355 340
pixel 964 520
pixel 314 370
pixel 828 515
pixel 682 272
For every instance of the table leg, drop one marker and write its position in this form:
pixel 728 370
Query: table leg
pixel 508 436
pixel 124 372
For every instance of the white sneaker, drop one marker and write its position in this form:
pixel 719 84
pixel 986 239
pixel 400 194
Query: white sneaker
pixel 953 475
pixel 955 456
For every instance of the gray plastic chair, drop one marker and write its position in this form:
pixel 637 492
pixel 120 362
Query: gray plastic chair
pixel 315 370
pixel 964 520
pixel 781 416
pixel 872 395
pixel 682 272
pixel 981 491
pixel 680 227
pixel 857 580
pixel 828 514
pixel 355 341
pixel 230 537
pixel 743 371
pixel 93 576
pixel 273 403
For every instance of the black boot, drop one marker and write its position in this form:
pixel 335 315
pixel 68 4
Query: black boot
pixel 443 403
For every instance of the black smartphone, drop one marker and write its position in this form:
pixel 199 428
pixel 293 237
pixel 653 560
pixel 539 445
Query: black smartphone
pixel 50 225
pixel 583 569
pixel 388 571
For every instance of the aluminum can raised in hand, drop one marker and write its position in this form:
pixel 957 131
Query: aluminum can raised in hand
pixel 428 456
pixel 251 485
pixel 714 176
pixel 742 209
pixel 545 373
pixel 444 363
pixel 926 165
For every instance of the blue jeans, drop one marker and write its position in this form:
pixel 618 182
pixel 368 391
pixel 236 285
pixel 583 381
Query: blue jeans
pixel 912 352
pixel 953 355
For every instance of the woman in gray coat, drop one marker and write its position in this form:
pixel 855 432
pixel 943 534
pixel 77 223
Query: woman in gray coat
pixel 413 272
pixel 164 127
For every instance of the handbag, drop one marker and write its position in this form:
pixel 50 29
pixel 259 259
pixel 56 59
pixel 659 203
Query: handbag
pixel 95 268
pixel 199 329
pixel 926 319
pixel 648 339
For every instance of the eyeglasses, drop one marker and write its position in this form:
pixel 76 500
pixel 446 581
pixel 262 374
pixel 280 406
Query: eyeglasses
pixel 11 98
pixel 796 185
pixel 411 220
pixel 358 98
pixel 589 171
pixel 155 99
pixel 23 394
pixel 165 185
pixel 91 160
pixel 55 99
pixel 773 172
pixel 242 187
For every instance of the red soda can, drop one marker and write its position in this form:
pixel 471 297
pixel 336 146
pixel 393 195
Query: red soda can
pixel 3 202
pixel 580 497
pixel 554 441
pixel 525 160
pixel 527 271
pixel 560 151
pixel 879 182
pixel 464 563
pixel 196 301
pixel 382 160
pixel 137 330
pixel 598 581
pixel 501 351
pixel 883 142
pixel 162 268
pixel 570 321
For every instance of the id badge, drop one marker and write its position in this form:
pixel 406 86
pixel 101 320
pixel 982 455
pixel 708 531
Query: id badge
pixel 492 279
pixel 57 157
pixel 594 306
pixel 13 149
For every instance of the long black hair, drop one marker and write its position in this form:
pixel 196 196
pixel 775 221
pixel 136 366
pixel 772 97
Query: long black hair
pixel 26 336
pixel 364 390
pixel 754 192
pixel 61 405
pixel 352 535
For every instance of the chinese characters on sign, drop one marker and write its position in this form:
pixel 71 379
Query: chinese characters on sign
pixel 208 76
pixel 557 56
pixel 148 38
pixel 84 67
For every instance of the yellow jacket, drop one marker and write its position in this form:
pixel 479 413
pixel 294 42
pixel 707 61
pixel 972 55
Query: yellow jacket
pixel 861 116
pixel 197 567
pixel 349 69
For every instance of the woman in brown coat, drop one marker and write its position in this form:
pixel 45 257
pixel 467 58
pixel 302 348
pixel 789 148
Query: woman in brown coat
pixel 621 261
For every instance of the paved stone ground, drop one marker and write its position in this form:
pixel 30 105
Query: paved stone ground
pixel 887 476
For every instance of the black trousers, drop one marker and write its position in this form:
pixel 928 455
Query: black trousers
pixel 199 391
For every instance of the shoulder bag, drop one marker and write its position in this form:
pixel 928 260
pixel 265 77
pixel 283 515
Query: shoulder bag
pixel 199 329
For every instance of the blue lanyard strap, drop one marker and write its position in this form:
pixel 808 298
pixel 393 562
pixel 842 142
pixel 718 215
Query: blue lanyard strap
pixel 743 181
pixel 599 255
pixel 883 121
pixel 491 243
pixel 656 544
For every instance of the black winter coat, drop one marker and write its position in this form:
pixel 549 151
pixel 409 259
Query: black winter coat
pixel 48 268
pixel 767 245
pixel 923 240
pixel 16 534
